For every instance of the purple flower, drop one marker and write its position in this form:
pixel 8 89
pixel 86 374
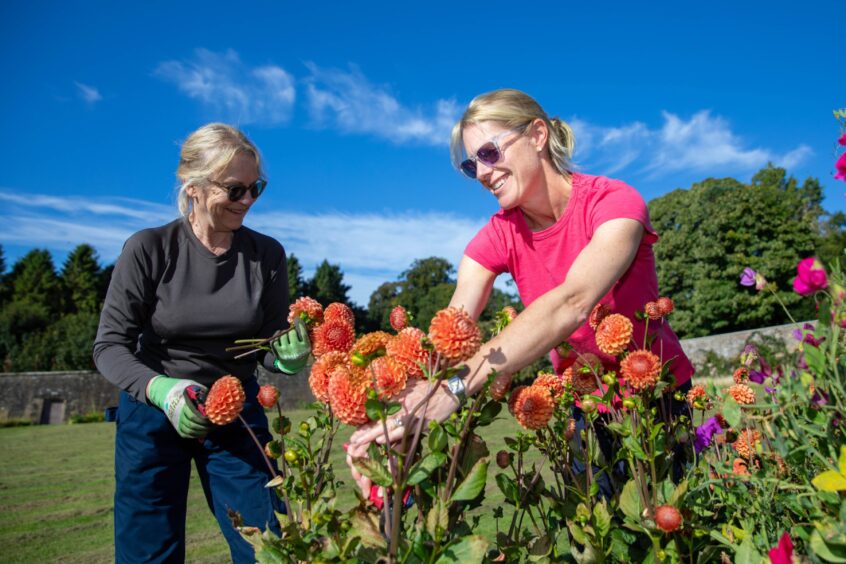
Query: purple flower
pixel 757 377
pixel 748 277
pixel 749 355
pixel 705 433
pixel 810 274
pixel 820 398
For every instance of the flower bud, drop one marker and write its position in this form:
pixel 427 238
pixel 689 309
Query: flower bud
pixel 503 459
pixel 588 404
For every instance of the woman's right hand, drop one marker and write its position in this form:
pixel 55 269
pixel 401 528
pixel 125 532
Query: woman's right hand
pixel 441 405
pixel 179 399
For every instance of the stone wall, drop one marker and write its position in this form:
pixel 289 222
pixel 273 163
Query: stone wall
pixel 54 397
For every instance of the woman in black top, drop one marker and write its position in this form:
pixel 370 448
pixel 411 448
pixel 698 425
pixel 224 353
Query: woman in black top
pixel 180 294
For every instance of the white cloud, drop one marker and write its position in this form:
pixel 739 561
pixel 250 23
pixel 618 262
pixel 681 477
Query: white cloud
pixel 225 85
pixel 702 144
pixel 89 94
pixel 370 248
pixel 348 101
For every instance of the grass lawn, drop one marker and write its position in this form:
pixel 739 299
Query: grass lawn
pixel 57 483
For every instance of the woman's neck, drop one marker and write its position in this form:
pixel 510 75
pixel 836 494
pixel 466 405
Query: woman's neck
pixel 549 203
pixel 217 242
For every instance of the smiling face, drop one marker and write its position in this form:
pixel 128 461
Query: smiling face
pixel 213 211
pixel 518 173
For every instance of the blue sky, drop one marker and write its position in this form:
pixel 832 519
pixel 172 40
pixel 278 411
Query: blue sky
pixel 351 104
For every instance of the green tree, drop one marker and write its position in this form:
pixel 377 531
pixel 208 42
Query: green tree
pixel 296 284
pixel 18 321
pixel 64 345
pixel 832 241
pixel 5 291
pixel 714 230
pixel 104 280
pixel 34 280
pixel 80 279
pixel 382 301
pixel 327 284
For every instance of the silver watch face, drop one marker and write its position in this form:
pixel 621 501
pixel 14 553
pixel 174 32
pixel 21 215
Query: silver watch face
pixel 456 386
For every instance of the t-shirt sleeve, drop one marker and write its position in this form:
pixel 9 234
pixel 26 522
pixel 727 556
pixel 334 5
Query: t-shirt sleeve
pixel 487 249
pixel 274 300
pixel 617 200
pixel 125 311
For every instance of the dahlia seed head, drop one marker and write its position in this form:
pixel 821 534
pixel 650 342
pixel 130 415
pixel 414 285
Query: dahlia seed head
pixel 667 518
pixel 399 318
pixel 614 333
pixel 641 369
pixel 332 335
pixel 318 379
pixel 307 309
pixel 225 400
pixel 666 305
pixel 599 312
pixel 268 395
pixel 503 459
pixel 336 311
pixel 454 334
pixel 742 394
pixel 653 311
pixel 406 347
pixel 585 371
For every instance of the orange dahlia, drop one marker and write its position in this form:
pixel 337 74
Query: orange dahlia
pixel 454 334
pixel 500 386
pixel 641 369
pixel 742 394
pixel 740 467
pixel 389 375
pixel 551 382
pixel 371 344
pixel 653 311
pixel 407 349
pixel 697 396
pixel 666 305
pixel 332 335
pixel 347 396
pixel 318 379
pixel 584 373
pixel 741 375
pixel 597 314
pixel 225 400
pixel 307 309
pixel 399 318
pixel 614 333
pixel 532 407
pixel 746 441
pixel 336 311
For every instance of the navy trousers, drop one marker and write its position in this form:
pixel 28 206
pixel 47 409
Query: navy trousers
pixel 152 470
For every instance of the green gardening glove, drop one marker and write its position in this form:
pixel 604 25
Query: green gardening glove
pixel 291 349
pixel 181 401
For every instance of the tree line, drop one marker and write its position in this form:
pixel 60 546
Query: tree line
pixel 709 234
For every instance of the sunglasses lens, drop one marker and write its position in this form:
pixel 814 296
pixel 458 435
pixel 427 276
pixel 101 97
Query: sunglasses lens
pixel 468 167
pixel 488 154
pixel 236 192
pixel 257 188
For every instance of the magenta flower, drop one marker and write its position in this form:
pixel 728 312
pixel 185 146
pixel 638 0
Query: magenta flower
pixel 842 140
pixel 810 276
pixel 783 553
pixel 840 165
pixel 705 434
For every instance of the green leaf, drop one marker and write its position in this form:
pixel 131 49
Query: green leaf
pixel 577 532
pixel 825 551
pixel 468 550
pixel 539 547
pixel 508 488
pixel 365 525
pixel 830 481
pixel 731 411
pixel 630 502
pixel 438 520
pixel 747 554
pixel 374 409
pixel 633 445
pixel 489 412
pixel 678 494
pixel 602 519
pixel 374 470
pixel 393 408
pixel 423 468
pixel 473 484
pixel 437 439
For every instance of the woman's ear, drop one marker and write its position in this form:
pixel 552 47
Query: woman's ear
pixel 191 190
pixel 539 134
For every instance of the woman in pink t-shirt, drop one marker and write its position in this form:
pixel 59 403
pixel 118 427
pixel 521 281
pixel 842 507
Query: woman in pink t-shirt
pixel 569 240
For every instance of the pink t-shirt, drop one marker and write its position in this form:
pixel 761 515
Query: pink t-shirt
pixel 539 261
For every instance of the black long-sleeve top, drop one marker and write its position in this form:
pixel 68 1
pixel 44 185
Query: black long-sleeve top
pixel 173 307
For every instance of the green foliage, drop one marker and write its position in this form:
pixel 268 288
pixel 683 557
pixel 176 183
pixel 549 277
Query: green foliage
pixel 327 285
pixel 19 321
pixel 80 279
pixel 711 232
pixel 63 345
pixel 34 281
pixel 296 283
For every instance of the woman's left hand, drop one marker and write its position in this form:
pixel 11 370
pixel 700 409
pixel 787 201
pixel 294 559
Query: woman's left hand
pixel 441 405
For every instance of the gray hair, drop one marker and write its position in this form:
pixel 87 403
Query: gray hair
pixel 206 152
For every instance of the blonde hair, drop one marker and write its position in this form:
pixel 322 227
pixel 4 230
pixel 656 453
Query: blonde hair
pixel 515 110
pixel 206 152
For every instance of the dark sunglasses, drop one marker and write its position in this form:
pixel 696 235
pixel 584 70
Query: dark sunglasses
pixel 490 153
pixel 237 191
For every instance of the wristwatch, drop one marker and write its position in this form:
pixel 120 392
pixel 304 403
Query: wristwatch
pixel 456 387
